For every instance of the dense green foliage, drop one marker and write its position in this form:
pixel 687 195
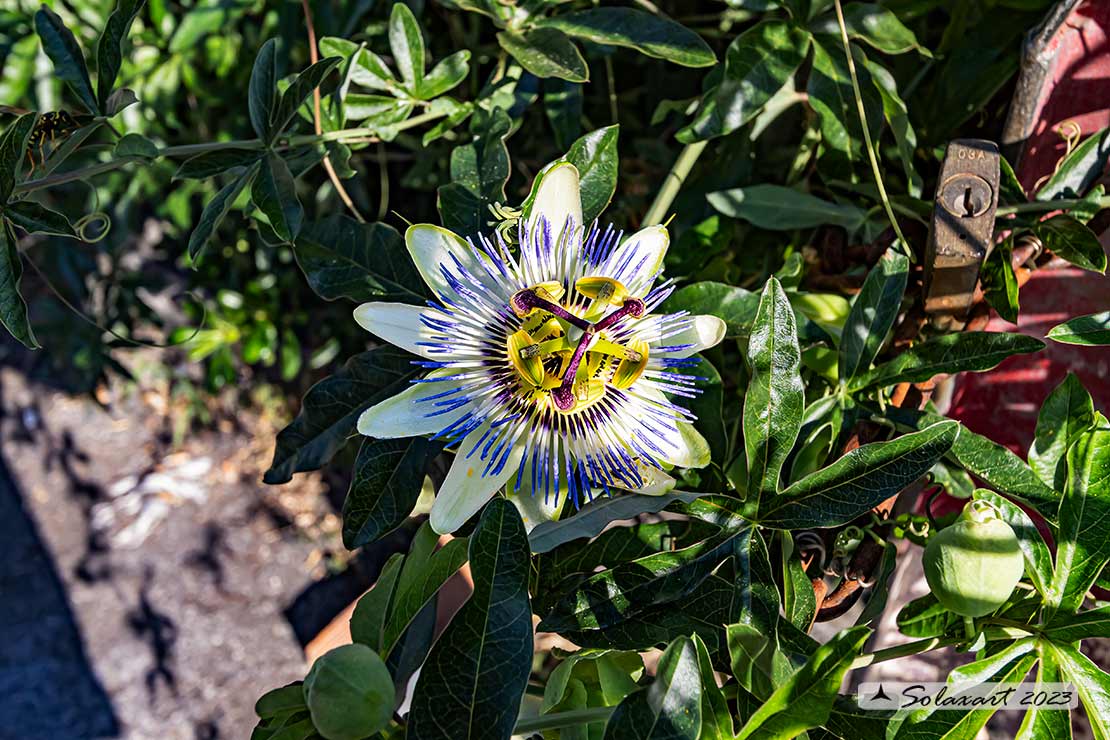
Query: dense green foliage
pixel 221 186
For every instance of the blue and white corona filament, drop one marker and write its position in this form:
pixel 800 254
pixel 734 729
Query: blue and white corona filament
pixel 546 364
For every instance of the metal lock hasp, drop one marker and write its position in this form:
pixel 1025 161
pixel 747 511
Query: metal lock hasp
pixel 963 224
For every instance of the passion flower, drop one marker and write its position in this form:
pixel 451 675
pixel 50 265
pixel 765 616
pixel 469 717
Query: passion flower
pixel 973 565
pixel 549 364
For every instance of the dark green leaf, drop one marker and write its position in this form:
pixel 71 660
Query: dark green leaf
pixel 299 90
pixel 1000 285
pixel 781 209
pixel 213 214
pixel 215 162
pixel 758 63
pixel 595 157
pixel 1038 558
pixel 343 258
pixel 897 115
pixel 925 617
pixel 38 219
pixel 1092 683
pixel 858 481
pixel 716 719
pixel 831 95
pixel 735 306
pixel 288 698
pixel 947 354
pixel 775 399
pixel 109 49
pixel 274 192
pixel 69 63
pixel 407 45
pixel 388 478
pixel 479 171
pixel 995 465
pixel 874 25
pixel 367 69
pixel 671 707
pixel 371 613
pixel 873 312
pixel 1066 413
pixel 13 310
pixel 758 664
pixel 13 148
pixel 1010 191
pixel 475 675
pixel 1091 330
pixel 546 52
pixel 646 33
pixel 1072 241
pixel 448 73
pixel 1086 624
pixel 1079 170
pixel 592 518
pixel 262 93
pixel 330 410
pixel 613 595
pixel 1082 547
pixel 806 698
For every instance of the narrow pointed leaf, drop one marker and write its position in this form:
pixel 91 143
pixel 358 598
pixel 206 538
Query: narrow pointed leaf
pixel 1091 330
pixel 670 708
pixel 947 354
pixel 782 209
pixel 1082 626
pixel 1040 722
pixel 61 46
pixel 213 214
pixel 858 481
pixel 343 258
pixel 546 52
pixel 1079 170
pixel 262 92
pixel 35 218
pixel 471 685
pixel 109 48
pixel 216 162
pixel 407 45
pixel 1065 414
pixel 1082 547
pixel 775 399
pixel 874 25
pixel 595 157
pixel 330 410
pixel 1073 241
pixel 13 310
pixel 274 192
pixel 833 98
pixel 873 312
pixel 648 34
pixel 299 90
pixel 1092 683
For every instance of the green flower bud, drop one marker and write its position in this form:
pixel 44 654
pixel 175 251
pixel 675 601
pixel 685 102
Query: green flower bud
pixel 349 693
pixel 973 565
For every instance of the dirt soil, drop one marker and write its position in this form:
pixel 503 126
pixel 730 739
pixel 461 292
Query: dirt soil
pixel 149 590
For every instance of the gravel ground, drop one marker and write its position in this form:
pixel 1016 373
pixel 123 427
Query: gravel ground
pixel 165 613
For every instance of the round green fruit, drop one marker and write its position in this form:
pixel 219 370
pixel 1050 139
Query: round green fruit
pixel 349 693
pixel 973 565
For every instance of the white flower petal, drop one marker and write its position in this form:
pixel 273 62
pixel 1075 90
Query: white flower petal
pixel 638 259
pixel 703 332
pixel 556 197
pixel 532 507
pixel 655 482
pixel 466 490
pixel 683 446
pixel 432 246
pixel 399 324
pixel 412 412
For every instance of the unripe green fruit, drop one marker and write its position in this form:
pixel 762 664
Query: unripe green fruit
pixel 973 565
pixel 349 693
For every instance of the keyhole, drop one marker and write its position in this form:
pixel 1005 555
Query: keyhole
pixel 971 205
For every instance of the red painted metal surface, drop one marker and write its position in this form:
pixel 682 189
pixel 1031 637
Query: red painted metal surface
pixel 1003 404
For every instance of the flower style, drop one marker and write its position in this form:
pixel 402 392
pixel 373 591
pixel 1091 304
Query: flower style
pixel 546 365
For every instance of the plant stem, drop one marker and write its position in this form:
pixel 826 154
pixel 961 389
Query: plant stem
pixel 866 133
pixel 562 719
pixel 1042 206
pixel 188 150
pixel 671 185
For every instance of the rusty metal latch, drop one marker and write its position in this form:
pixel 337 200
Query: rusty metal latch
pixel 963 224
